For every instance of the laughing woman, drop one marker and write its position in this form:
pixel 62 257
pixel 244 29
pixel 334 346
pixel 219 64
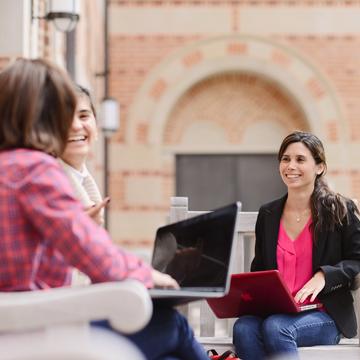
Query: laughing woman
pixel 312 236
pixel 83 133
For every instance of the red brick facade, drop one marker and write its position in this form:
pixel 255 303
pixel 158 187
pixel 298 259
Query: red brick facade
pixel 138 64
pixel 131 60
pixel 175 66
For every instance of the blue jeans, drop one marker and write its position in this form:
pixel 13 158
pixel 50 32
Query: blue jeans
pixel 167 336
pixel 256 338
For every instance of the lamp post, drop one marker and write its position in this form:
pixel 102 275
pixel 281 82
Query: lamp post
pixel 110 116
pixel 63 13
pixel 110 109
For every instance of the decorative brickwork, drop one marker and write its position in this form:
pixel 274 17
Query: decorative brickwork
pixel 182 81
pixel 132 58
pixel 280 58
pixel 192 59
pixel 288 70
pixel 339 59
pixel 233 102
pixel 158 89
pixel 142 132
pixel 332 131
pixel 237 48
pixel 315 88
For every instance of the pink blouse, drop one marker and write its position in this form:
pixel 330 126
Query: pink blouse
pixel 294 258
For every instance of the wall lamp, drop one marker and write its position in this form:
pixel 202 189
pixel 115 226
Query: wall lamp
pixel 63 13
pixel 110 116
pixel 110 121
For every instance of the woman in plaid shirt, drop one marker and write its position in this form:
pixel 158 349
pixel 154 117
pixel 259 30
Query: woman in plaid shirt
pixel 38 209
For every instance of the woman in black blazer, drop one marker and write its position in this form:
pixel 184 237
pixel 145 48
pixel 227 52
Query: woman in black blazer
pixel 312 236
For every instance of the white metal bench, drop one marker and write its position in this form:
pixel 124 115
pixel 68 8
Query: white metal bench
pixel 217 333
pixel 54 324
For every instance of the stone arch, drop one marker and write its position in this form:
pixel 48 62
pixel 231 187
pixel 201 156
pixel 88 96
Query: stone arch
pixel 230 109
pixel 286 69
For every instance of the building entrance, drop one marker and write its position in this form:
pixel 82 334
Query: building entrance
pixel 211 181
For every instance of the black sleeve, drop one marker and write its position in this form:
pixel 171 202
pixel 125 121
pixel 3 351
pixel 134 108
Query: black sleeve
pixel 343 273
pixel 258 262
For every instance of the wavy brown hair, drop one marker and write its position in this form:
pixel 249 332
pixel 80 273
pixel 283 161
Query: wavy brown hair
pixel 37 105
pixel 328 209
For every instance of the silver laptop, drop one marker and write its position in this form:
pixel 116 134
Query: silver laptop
pixel 198 254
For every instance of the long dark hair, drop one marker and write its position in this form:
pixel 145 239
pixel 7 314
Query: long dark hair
pixel 37 105
pixel 328 209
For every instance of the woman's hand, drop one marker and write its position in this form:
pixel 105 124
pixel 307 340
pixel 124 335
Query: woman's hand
pixel 94 211
pixel 312 287
pixel 163 280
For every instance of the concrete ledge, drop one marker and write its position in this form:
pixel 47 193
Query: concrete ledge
pixel 348 349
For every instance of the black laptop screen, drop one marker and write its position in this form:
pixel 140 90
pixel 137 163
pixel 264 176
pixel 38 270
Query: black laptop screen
pixel 196 252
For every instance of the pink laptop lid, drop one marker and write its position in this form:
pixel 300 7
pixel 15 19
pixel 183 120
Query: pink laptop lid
pixel 260 293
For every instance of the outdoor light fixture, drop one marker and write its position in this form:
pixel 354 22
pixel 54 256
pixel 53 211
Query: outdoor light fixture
pixel 63 13
pixel 110 116
pixel 110 121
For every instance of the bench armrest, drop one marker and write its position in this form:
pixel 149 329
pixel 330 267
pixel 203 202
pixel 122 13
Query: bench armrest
pixel 126 304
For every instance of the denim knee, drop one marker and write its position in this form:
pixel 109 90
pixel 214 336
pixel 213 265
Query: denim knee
pixel 246 327
pixel 247 338
pixel 183 324
pixel 278 337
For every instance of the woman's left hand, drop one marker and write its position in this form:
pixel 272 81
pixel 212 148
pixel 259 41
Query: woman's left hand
pixel 95 211
pixel 312 287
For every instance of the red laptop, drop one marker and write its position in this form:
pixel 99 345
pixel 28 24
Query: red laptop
pixel 259 293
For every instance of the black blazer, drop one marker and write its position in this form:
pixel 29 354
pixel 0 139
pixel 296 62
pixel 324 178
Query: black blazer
pixel 336 253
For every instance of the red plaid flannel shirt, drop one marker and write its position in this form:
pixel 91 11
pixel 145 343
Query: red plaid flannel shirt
pixel 40 215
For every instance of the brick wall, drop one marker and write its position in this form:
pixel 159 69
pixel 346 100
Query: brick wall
pixel 146 35
pixel 232 102
pixel 132 58
pixel 339 59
